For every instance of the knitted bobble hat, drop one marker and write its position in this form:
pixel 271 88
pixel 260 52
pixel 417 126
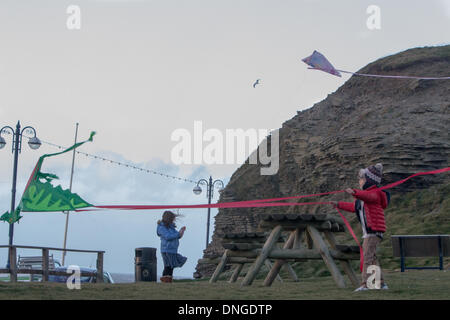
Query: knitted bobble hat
pixel 373 173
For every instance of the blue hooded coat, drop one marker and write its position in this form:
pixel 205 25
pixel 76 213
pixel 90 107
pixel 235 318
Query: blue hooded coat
pixel 169 238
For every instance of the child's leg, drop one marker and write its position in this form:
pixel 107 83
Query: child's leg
pixel 167 271
pixel 370 258
pixel 365 257
pixel 377 262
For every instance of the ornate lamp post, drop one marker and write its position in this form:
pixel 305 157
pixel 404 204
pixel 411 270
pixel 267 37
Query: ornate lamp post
pixel 209 194
pixel 34 144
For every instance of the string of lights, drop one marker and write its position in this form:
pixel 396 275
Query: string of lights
pixel 126 165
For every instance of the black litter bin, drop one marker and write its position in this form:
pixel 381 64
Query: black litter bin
pixel 145 264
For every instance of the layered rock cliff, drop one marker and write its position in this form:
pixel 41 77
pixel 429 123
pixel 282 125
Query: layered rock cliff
pixel 402 123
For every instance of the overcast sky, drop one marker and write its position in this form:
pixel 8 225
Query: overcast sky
pixel 138 70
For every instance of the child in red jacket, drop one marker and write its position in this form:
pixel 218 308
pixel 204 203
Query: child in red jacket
pixel 369 208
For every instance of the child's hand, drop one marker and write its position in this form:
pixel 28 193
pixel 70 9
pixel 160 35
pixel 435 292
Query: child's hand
pixel 349 191
pixel 183 229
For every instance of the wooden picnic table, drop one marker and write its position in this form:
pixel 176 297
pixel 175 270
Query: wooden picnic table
pixel 307 226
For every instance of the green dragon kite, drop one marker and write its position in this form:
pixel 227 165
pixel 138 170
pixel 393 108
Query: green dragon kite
pixel 40 195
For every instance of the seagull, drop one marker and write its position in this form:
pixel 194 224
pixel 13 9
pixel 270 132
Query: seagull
pixel 257 82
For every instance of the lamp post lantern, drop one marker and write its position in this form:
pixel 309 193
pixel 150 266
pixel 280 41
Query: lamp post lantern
pixel 34 144
pixel 209 194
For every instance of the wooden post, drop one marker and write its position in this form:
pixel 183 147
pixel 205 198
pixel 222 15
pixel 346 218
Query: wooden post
pixel 323 250
pixel 296 245
pixel 233 260
pixel 309 242
pixel 251 254
pixel 236 273
pixel 344 263
pixel 99 278
pixel 291 271
pixel 298 239
pixel 279 263
pixel 270 266
pixel 308 254
pixel 12 264
pixel 230 260
pixel 45 264
pixel 220 266
pixel 254 269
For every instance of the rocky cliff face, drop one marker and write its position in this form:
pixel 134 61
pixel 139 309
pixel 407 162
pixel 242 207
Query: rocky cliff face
pixel 402 123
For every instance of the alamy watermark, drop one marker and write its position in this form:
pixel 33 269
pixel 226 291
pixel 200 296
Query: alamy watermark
pixel 213 146
pixel 374 280
pixel 373 22
pixel 74 280
pixel 73 21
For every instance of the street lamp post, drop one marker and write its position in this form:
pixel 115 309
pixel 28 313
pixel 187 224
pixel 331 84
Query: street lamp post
pixel 34 144
pixel 209 194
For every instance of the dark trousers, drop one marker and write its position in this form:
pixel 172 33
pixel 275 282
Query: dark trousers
pixel 168 271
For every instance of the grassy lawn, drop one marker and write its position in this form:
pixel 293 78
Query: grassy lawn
pixel 414 284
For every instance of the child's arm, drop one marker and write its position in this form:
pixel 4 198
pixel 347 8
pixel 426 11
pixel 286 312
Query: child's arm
pixel 366 196
pixel 346 206
pixel 168 234
pixel 182 232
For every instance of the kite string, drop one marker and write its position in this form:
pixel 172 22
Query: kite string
pixel 395 77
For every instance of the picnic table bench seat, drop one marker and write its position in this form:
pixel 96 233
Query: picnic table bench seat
pixel 291 221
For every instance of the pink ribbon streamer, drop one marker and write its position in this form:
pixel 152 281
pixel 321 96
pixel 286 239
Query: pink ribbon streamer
pixel 257 202
pixel 268 203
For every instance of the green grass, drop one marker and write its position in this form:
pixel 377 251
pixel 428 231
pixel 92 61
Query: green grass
pixel 414 284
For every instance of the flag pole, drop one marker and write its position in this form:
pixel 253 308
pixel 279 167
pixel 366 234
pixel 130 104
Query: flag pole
pixel 70 188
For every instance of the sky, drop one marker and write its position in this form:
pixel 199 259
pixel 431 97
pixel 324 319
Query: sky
pixel 138 70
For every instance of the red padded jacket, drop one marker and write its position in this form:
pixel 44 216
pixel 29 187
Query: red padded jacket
pixel 375 201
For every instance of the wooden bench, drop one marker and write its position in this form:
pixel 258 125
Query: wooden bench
pixel 31 262
pixel 421 246
pixel 35 263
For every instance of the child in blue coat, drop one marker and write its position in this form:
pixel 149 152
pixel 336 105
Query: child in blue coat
pixel 169 245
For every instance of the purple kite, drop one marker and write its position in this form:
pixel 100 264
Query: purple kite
pixel 318 61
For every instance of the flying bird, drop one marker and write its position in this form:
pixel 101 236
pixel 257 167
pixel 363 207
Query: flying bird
pixel 257 82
